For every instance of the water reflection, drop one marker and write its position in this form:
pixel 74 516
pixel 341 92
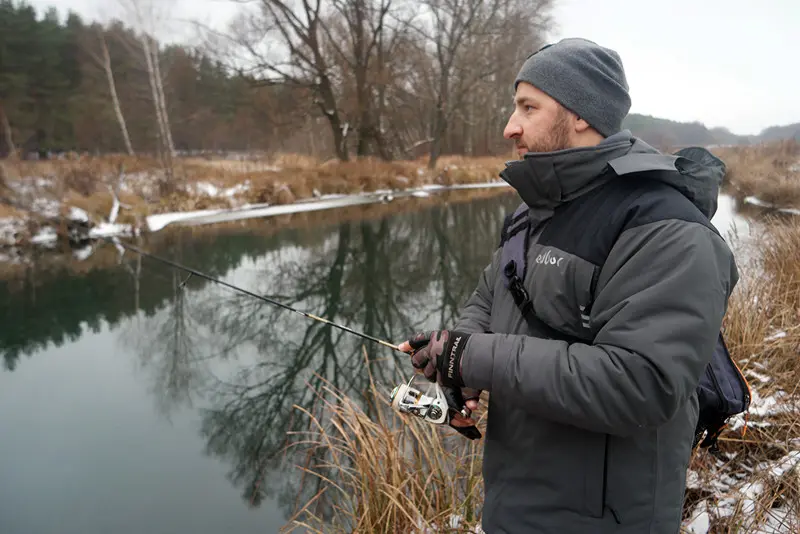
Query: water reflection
pixel 385 278
pixel 245 366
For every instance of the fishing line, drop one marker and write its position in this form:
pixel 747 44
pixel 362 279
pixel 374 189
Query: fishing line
pixel 195 272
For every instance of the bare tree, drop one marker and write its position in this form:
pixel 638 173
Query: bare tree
pixel 282 43
pixel 105 62
pixel 363 40
pixel 146 18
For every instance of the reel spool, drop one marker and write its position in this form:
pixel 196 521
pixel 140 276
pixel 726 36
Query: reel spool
pixel 421 398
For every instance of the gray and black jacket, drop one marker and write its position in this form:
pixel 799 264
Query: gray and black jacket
pixel 595 436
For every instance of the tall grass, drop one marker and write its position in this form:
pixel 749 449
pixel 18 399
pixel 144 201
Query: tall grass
pixel 768 171
pixel 753 483
pixel 384 473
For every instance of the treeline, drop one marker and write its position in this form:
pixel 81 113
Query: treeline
pixel 329 78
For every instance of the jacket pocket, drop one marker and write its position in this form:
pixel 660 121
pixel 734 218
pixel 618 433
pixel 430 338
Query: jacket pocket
pixel 560 285
pixel 595 471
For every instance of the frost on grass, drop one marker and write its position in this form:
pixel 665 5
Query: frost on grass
pixel 750 491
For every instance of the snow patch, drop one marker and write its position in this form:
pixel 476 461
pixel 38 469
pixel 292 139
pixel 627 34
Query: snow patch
pixel 211 190
pixel 46 207
pixel 773 337
pixel 755 201
pixel 10 228
pixel 110 230
pixel 45 235
pixel 700 521
pixel 84 253
pixel 159 221
pixel 77 214
pixel 453 524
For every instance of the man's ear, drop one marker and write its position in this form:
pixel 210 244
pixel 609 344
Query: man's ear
pixel 581 125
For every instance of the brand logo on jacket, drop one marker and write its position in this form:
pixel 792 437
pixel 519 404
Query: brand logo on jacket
pixel 548 259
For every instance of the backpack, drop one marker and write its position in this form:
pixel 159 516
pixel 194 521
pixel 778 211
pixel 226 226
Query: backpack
pixel 723 390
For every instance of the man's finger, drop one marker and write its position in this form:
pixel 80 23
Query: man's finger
pixel 420 359
pixel 472 404
pixel 461 421
pixel 430 372
pixel 470 394
pixel 419 340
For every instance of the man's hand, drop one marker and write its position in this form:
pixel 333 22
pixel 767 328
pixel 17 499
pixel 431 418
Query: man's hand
pixel 438 355
pixel 427 356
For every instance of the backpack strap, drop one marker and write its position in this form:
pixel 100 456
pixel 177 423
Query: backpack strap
pixel 514 240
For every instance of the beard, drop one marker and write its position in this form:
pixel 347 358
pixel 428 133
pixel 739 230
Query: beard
pixel 556 138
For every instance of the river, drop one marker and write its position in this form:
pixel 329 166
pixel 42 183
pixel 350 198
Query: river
pixel 133 399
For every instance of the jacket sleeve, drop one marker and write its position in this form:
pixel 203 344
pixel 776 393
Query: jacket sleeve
pixel 660 303
pixel 476 314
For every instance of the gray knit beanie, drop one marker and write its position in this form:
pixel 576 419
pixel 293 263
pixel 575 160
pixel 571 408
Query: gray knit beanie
pixel 585 78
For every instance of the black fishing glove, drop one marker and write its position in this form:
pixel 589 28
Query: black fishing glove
pixel 438 354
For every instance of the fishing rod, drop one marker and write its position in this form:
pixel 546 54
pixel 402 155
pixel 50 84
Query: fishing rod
pixel 195 272
pixel 428 401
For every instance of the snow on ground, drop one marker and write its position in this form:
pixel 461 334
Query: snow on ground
pixel 47 207
pixel 46 235
pixel 10 228
pixel 110 230
pixel 755 201
pixel 160 221
pixel 211 190
pixel 738 485
pixel 84 253
pixel 77 214
pixel 51 208
pixel 453 526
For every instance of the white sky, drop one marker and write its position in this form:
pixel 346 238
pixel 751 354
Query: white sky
pixel 732 63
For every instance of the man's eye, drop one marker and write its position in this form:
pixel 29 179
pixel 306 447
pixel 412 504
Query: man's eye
pixel 529 108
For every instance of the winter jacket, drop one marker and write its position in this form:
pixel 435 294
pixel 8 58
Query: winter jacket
pixel 595 435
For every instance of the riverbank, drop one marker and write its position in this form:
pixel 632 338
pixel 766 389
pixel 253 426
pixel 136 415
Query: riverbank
pixel 765 175
pixel 104 196
pixel 401 475
pixel 55 256
pixel 93 197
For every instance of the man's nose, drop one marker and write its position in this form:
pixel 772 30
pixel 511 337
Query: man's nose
pixel 512 129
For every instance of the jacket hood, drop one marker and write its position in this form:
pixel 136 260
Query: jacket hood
pixel 545 180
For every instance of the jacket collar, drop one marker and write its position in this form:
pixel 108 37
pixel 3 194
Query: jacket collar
pixel 545 180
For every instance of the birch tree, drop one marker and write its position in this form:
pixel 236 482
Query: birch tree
pixel 104 61
pixel 147 19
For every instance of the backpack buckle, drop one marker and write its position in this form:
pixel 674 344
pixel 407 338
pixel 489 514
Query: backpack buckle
pixel 519 293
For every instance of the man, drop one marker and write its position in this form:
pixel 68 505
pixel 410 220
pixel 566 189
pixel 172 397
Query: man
pixel 592 402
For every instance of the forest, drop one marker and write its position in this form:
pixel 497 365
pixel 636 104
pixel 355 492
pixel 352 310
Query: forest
pixel 328 78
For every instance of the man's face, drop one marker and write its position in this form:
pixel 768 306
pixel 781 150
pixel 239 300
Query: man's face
pixel 539 123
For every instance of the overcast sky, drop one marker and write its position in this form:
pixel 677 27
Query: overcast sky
pixel 730 63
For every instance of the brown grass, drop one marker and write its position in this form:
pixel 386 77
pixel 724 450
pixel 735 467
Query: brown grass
pixel 764 171
pixel 86 182
pixel 762 328
pixel 384 473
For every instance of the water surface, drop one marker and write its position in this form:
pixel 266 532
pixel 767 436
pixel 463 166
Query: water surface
pixel 135 400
